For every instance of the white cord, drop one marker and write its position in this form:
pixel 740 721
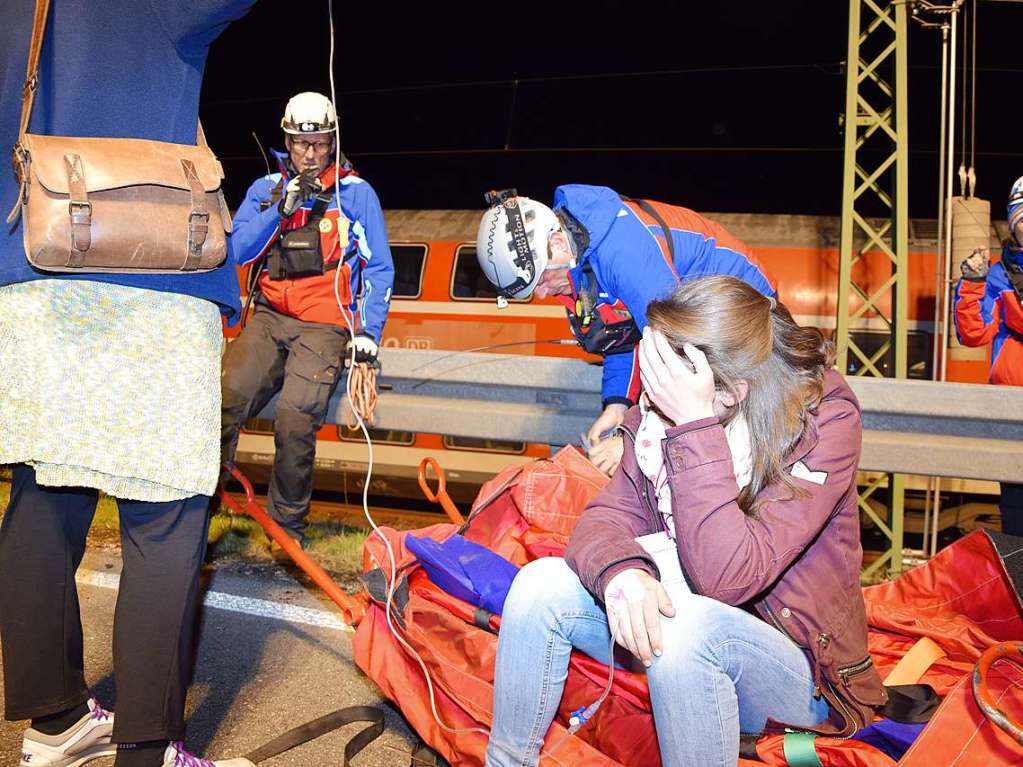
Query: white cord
pixel 362 425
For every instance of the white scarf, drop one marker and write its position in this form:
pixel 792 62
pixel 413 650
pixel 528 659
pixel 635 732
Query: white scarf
pixel 650 457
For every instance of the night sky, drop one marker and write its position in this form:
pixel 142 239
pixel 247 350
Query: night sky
pixel 730 107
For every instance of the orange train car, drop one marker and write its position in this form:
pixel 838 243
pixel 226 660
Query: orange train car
pixel 442 301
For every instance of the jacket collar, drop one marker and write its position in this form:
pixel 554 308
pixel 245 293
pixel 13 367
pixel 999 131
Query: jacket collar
pixel 328 176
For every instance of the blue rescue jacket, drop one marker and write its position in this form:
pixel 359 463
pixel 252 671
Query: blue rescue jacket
pixel 630 265
pixel 363 250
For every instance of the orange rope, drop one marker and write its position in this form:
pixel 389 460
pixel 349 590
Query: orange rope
pixel 364 395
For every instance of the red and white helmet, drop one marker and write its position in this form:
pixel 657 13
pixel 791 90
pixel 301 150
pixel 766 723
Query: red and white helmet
pixel 309 113
pixel 512 242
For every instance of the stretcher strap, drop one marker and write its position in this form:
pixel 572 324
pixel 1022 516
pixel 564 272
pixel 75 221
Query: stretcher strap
pixel 914 664
pixel 799 750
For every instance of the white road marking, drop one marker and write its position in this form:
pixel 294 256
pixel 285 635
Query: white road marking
pixel 263 608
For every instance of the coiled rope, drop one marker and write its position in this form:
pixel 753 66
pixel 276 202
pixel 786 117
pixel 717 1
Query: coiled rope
pixel 362 392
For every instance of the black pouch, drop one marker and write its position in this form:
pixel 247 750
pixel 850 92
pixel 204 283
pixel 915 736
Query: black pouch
pixel 599 328
pixel 297 253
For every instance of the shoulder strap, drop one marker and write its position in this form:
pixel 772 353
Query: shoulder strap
pixel 35 48
pixel 370 715
pixel 651 211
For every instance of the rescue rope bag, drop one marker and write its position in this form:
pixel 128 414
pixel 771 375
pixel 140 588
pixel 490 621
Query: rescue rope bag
pixel 115 204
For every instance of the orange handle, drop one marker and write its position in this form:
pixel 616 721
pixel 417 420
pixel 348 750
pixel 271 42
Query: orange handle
pixel 1010 651
pixel 352 610
pixel 441 496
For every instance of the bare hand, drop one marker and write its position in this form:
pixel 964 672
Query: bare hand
pixel 607 454
pixel 635 602
pixel 976 266
pixel 610 419
pixel 682 393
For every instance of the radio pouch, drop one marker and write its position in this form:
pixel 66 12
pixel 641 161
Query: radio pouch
pixel 298 252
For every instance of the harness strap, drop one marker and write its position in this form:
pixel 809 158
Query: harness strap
pixel 799 749
pixel 198 219
pixel 79 209
pixel 920 657
pixel 304 733
pixel 651 211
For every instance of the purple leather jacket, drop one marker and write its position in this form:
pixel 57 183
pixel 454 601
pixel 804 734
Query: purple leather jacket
pixel 796 562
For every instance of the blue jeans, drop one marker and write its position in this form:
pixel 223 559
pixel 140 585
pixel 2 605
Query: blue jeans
pixel 722 671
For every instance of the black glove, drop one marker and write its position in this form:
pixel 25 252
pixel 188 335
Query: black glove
pixel 303 186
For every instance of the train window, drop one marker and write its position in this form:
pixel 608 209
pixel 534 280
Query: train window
pixel 468 281
pixel 259 426
pixel 408 270
pixel 483 445
pixel 918 352
pixel 379 436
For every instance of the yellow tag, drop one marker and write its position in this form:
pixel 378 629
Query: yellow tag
pixel 326 225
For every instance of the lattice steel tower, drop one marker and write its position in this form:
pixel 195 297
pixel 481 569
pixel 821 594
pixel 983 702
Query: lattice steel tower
pixel 875 219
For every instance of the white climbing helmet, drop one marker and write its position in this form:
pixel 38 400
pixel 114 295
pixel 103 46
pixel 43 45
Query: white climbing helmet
pixel 309 112
pixel 511 244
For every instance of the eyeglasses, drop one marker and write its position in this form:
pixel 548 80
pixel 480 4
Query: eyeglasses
pixel 302 146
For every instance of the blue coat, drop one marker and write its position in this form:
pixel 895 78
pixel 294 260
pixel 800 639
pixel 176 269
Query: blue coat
pixel 631 269
pixel 119 69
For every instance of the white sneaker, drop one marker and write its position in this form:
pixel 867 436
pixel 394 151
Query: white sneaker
pixel 176 756
pixel 87 739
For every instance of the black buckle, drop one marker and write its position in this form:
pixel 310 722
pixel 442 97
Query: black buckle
pixel 498 197
pixel 205 216
pixel 73 204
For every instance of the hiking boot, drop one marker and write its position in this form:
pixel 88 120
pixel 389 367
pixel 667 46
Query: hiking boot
pixel 176 756
pixel 87 739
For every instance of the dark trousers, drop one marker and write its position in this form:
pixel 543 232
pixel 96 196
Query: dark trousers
pixel 304 362
pixel 42 540
pixel 1011 506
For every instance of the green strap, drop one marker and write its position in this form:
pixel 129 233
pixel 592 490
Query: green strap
pixel 799 750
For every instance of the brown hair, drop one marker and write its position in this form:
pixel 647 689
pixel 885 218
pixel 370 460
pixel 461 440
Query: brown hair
pixel 749 337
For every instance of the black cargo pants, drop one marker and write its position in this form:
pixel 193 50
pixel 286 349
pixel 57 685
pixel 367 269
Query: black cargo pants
pixel 304 361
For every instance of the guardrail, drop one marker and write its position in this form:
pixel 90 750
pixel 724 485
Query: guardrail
pixel 966 431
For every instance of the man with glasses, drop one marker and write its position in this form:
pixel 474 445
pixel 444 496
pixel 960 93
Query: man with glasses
pixel 315 235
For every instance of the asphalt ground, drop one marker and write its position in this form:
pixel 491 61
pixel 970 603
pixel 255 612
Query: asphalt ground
pixel 272 654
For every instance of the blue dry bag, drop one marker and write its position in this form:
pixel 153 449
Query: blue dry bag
pixel 465 570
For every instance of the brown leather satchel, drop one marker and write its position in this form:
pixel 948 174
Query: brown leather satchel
pixel 115 205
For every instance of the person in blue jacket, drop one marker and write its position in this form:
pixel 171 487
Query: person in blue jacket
pixel 108 383
pixel 605 257
pixel 323 271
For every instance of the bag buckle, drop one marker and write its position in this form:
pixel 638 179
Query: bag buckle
pixel 78 208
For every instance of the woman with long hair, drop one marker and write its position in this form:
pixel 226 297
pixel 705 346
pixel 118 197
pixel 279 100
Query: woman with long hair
pixel 724 554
